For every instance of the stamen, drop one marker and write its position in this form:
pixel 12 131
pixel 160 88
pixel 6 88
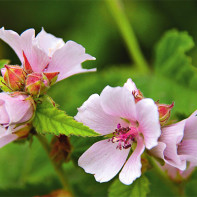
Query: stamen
pixel 125 136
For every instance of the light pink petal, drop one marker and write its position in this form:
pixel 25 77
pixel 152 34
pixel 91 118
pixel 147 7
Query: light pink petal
pixel 6 137
pixel 13 40
pixel 18 109
pixel 172 136
pixel 191 127
pixel 130 85
pixel 48 43
pixel 103 160
pixel 26 42
pixel 132 168
pixel 188 150
pixel 65 59
pixel 37 58
pixel 119 102
pixel 4 118
pixel 75 70
pixel 92 115
pixel 158 151
pixel 148 118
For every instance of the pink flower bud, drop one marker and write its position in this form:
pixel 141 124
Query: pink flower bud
pixel 14 77
pixel 164 112
pixel 36 84
pixel 15 109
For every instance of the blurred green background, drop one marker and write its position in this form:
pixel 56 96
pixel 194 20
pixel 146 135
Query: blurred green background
pixel 25 170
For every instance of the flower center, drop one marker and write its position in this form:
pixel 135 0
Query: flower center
pixel 125 136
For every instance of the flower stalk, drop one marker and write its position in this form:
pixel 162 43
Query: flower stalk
pixel 128 35
pixel 58 169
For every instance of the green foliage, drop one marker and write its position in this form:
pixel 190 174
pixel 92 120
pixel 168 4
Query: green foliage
pixel 139 188
pixel 3 86
pixel 171 60
pixel 49 119
pixel 3 62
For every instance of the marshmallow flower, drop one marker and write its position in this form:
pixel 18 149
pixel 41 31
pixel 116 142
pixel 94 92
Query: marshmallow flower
pixel 130 126
pixel 178 143
pixel 14 111
pixel 46 53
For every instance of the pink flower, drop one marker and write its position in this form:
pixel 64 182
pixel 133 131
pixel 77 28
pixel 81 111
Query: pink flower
pixel 132 127
pixel 15 109
pixel 46 53
pixel 15 112
pixel 176 174
pixel 178 143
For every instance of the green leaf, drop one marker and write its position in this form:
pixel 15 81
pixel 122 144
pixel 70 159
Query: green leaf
pixel 139 188
pixel 171 60
pixel 3 62
pixel 49 119
pixel 3 86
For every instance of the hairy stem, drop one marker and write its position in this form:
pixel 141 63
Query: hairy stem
pixel 58 169
pixel 128 35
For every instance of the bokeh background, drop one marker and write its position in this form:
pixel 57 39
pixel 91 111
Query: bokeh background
pixel 25 169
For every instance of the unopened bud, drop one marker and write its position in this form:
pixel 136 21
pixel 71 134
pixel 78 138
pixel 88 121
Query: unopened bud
pixel 137 95
pixel 36 84
pixel 164 112
pixel 14 77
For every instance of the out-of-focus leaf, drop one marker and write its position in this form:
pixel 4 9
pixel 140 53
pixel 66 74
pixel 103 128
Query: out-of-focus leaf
pixel 49 119
pixel 3 62
pixel 3 86
pixel 139 188
pixel 171 60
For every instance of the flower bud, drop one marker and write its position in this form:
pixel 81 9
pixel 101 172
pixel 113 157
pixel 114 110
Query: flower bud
pixel 36 84
pixel 14 77
pixel 164 112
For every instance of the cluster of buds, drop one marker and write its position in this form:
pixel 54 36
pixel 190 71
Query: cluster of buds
pixel 24 79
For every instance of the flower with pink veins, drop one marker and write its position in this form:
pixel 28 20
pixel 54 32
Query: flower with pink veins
pixel 46 53
pixel 15 113
pixel 177 144
pixel 132 127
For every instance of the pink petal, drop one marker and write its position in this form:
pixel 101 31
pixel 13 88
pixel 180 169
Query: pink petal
pixel 18 109
pixel 130 85
pixel 188 150
pixel 4 118
pixel 37 58
pixel 75 70
pixel 92 115
pixel 103 160
pixel 65 59
pixel 119 102
pixel 132 168
pixel 13 40
pixel 172 136
pixel 49 43
pixel 6 137
pixel 26 42
pixel 158 151
pixel 148 118
pixel 191 127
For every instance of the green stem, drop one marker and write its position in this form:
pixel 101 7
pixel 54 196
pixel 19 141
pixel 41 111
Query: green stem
pixel 128 34
pixel 58 169
pixel 163 176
